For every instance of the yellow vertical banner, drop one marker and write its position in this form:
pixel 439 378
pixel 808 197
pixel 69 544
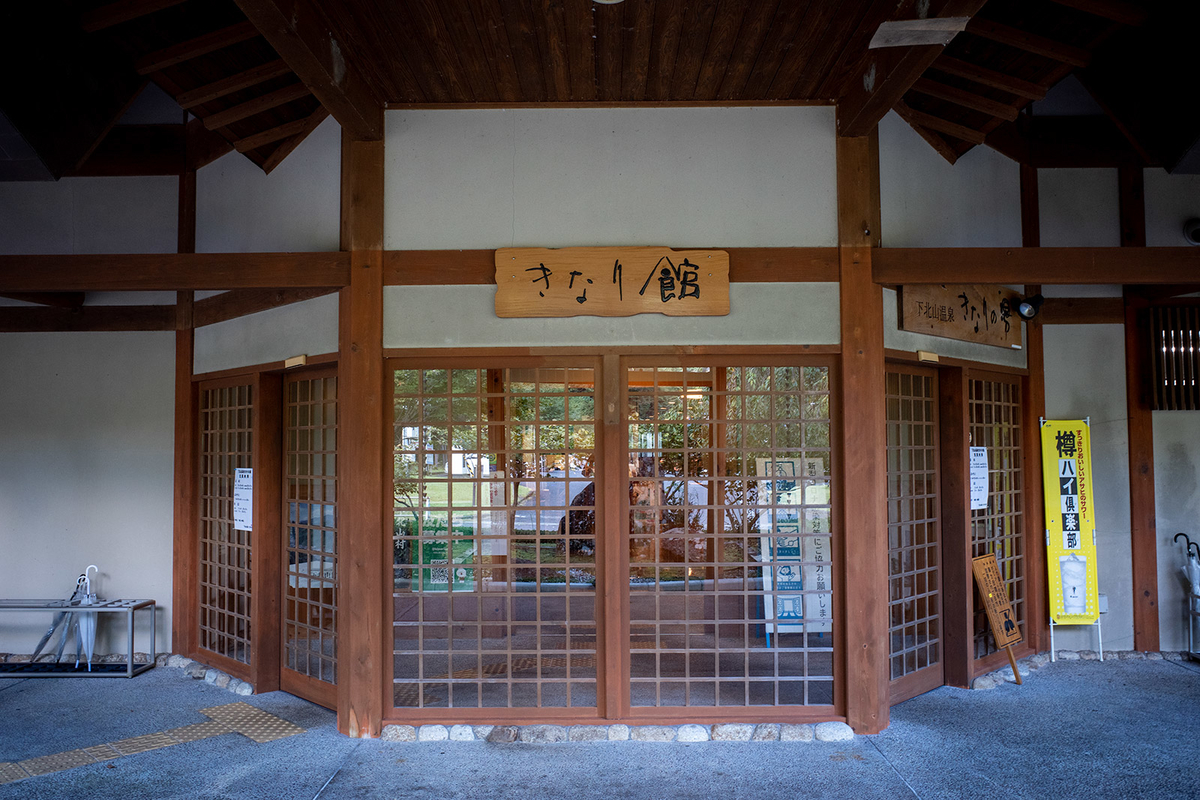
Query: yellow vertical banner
pixel 1070 522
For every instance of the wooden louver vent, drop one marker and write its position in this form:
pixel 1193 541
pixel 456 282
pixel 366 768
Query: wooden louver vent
pixel 1175 357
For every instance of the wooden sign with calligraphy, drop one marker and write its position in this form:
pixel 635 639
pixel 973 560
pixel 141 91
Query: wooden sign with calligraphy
pixel 970 313
pixel 611 282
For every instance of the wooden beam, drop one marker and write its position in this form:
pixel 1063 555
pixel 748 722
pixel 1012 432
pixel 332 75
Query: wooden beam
pixel 268 563
pixel 52 299
pixel 303 36
pixel 203 146
pixel 961 97
pixel 122 11
pixel 185 594
pixel 284 131
pixel 1131 204
pixel 234 83
pixel 746 265
pixel 864 438
pixel 240 302
pixel 171 272
pixel 958 590
pixel 1091 265
pixel 194 48
pixel 1065 142
pixel 914 117
pixel 1033 407
pixel 1082 311
pixel 1031 215
pixel 258 105
pixel 94 84
pixel 989 77
pixel 1143 530
pixel 885 76
pixel 18 319
pixel 1029 42
pixel 1115 10
pixel 132 150
pixel 364 538
pixel 285 147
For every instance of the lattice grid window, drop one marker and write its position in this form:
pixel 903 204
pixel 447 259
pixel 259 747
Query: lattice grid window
pixel 914 539
pixel 310 488
pixel 995 423
pixel 730 536
pixel 494 593
pixel 226 438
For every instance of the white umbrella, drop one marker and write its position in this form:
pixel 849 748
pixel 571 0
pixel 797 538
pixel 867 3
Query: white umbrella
pixel 86 633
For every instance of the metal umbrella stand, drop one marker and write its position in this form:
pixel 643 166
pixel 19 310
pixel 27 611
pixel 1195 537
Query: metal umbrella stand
pixel 1191 579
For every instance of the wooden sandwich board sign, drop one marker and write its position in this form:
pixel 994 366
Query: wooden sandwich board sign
pixel 1000 613
pixel 611 282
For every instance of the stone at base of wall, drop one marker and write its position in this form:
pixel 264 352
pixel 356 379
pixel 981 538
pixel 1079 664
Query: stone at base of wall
pixel 1026 665
pixel 557 734
pixel 201 672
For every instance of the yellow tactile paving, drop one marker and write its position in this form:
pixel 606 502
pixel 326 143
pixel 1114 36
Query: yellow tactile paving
pixel 102 752
pixel 142 744
pixel 201 730
pixel 11 772
pixel 251 722
pixel 44 765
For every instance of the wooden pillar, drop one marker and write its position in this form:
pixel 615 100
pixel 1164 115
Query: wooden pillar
pixel 185 554
pixel 1033 401
pixel 1143 530
pixel 958 589
pixel 364 535
pixel 864 438
pixel 266 543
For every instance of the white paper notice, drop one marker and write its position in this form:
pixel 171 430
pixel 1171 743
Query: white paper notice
pixel 243 499
pixel 979 478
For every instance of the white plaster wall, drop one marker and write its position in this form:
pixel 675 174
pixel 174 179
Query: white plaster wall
pixel 308 328
pixel 89 215
pixel 464 316
pixel 1085 377
pixel 240 209
pixel 927 202
pixel 1171 200
pixel 896 339
pixel 683 177
pixel 1176 508
pixel 86 474
pixel 1079 208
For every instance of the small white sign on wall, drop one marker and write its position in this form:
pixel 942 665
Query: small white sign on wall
pixel 979 478
pixel 243 499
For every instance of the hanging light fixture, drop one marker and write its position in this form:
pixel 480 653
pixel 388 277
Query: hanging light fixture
pixel 1029 307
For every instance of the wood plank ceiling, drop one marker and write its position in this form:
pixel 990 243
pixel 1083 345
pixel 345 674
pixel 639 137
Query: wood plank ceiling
pixel 261 74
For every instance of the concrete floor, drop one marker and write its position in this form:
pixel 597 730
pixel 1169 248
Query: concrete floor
pixel 1074 729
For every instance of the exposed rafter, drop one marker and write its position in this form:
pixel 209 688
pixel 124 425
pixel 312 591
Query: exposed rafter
pixel 989 77
pixel 961 97
pixel 886 75
pixel 112 14
pixel 194 48
pixel 234 83
pixel 258 105
pixel 1029 42
pixel 301 34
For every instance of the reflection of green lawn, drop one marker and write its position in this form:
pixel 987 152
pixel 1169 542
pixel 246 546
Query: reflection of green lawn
pixel 464 494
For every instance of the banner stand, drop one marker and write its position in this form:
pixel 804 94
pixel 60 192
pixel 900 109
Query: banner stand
pixel 1099 636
